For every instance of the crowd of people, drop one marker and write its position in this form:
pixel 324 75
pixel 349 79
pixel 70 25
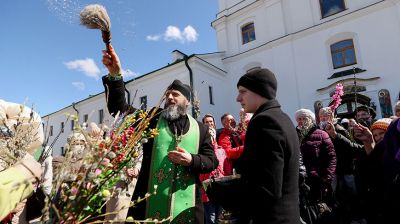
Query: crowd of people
pixel 323 169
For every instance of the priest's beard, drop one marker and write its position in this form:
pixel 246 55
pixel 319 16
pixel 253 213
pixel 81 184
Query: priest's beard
pixel 173 112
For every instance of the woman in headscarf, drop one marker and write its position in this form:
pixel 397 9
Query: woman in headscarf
pixel 319 158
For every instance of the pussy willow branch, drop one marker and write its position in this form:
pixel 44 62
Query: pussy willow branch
pixel 116 212
pixel 143 124
pixel 120 167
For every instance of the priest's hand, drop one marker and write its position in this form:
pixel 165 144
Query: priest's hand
pixel 180 156
pixel 112 62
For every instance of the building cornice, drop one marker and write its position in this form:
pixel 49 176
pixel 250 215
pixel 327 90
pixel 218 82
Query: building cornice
pixel 348 81
pixel 233 10
pixel 76 104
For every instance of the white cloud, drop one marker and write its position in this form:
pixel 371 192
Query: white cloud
pixel 79 85
pixel 153 37
pixel 87 66
pixel 190 34
pixel 173 33
pixel 129 73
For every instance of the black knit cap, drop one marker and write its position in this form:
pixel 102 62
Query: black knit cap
pixel 183 88
pixel 260 81
pixel 367 109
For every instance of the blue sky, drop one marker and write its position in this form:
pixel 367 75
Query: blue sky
pixel 49 61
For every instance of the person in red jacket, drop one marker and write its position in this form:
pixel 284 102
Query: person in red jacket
pixel 212 210
pixel 231 141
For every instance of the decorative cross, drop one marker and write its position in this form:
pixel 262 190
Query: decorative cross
pixel 160 176
pixel 178 138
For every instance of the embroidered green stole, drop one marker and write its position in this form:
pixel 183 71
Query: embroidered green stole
pixel 175 184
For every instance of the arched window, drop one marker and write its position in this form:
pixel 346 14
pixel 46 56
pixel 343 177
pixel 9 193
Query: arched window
pixel 330 7
pixel 343 53
pixel 248 33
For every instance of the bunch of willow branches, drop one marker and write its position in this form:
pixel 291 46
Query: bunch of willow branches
pixel 83 185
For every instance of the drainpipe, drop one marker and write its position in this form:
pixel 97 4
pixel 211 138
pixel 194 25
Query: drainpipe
pixel 191 83
pixel 77 112
pixel 129 95
pixel 73 106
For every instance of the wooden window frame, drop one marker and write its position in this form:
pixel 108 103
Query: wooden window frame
pixel 342 51
pixel 247 32
pixel 101 116
pixel 321 3
pixel 143 103
pixel 210 94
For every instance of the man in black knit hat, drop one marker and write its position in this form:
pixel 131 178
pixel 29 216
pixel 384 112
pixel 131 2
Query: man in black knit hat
pixel 269 164
pixel 365 115
pixel 173 160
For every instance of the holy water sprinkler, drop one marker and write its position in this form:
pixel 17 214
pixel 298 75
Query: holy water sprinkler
pixel 95 17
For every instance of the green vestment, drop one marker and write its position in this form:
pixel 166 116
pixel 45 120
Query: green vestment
pixel 175 195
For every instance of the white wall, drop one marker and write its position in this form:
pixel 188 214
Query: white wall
pixel 90 106
pixel 210 76
pixel 55 121
pixel 204 75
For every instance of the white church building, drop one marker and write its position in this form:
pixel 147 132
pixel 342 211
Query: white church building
pixel 310 45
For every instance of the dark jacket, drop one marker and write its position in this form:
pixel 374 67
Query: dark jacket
pixel 319 159
pixel 319 155
pixel 346 152
pixel 203 162
pixel 270 167
pixel 381 173
pixel 370 185
pixel 391 172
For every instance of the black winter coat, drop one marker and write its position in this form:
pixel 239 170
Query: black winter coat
pixel 270 167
